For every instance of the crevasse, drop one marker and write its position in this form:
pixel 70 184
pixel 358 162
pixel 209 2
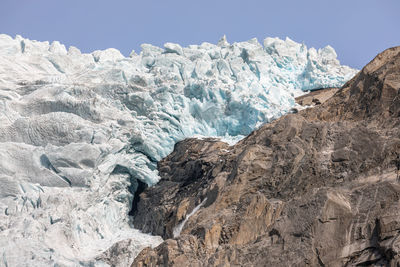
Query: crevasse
pixel 77 130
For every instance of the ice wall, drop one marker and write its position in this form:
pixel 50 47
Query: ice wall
pixel 77 130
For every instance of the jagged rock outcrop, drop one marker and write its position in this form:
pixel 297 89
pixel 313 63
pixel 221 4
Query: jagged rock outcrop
pixel 316 188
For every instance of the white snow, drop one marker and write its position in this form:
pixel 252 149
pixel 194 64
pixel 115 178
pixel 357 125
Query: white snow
pixel 178 229
pixel 77 130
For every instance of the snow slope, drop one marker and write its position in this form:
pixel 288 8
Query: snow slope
pixel 77 130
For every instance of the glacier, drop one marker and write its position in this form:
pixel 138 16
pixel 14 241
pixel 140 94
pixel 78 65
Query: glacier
pixel 77 131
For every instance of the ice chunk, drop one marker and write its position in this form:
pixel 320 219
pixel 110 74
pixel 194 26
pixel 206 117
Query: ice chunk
pixel 173 48
pixel 110 54
pixel 57 48
pixel 223 41
pixel 74 51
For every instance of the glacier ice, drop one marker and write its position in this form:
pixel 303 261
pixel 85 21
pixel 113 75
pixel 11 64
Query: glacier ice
pixel 77 130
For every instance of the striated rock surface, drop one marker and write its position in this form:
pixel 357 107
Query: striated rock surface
pixel 317 188
pixel 316 97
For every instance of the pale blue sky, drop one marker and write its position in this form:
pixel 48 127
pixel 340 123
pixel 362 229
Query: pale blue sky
pixel 357 29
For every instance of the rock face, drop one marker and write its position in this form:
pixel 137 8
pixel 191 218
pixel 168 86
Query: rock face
pixel 315 188
pixel 316 97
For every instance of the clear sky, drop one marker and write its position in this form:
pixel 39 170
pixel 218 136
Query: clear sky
pixel 357 29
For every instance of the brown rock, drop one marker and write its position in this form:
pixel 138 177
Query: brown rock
pixel 316 188
pixel 316 96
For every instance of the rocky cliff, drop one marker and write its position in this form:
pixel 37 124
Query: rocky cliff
pixel 316 188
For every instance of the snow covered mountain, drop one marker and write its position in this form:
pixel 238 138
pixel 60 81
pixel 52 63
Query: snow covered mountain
pixel 78 130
